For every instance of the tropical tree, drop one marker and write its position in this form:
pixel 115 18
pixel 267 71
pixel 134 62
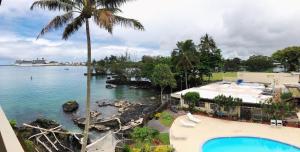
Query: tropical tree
pixel 76 14
pixel 259 63
pixel 184 57
pixel 289 57
pixel 228 103
pixel 209 55
pixel 163 77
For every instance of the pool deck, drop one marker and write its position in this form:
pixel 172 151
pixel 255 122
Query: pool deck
pixel 191 139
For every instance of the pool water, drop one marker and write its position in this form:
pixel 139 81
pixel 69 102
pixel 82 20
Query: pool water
pixel 246 144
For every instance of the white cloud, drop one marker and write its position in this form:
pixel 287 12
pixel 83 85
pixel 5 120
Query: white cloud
pixel 240 28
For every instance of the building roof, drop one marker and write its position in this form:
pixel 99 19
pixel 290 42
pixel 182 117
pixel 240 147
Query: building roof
pixel 248 92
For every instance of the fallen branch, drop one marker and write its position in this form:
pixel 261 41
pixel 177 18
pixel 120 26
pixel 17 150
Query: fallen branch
pixel 43 129
pixel 46 132
pixel 39 141
pixel 53 145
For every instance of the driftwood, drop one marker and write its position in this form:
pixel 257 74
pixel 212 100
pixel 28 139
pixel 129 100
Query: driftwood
pixel 43 129
pixel 44 132
pixel 53 145
pixel 52 129
pixel 39 141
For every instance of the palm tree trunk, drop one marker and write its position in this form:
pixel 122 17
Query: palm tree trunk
pixel 88 88
pixel 185 74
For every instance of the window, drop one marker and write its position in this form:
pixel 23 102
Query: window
pixel 213 106
pixel 200 104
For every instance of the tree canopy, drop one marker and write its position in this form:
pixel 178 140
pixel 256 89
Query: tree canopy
pixel 259 63
pixel 288 57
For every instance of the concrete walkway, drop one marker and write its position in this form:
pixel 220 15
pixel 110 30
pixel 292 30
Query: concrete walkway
pixel 191 139
pixel 155 124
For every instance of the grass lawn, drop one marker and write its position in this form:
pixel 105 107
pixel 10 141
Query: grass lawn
pixel 219 75
pixel 164 138
pixel 166 119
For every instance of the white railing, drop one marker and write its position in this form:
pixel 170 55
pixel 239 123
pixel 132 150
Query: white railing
pixel 8 139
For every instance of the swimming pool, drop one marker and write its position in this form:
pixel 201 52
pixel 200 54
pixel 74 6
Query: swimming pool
pixel 246 144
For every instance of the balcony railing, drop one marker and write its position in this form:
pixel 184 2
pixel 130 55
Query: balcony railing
pixel 8 139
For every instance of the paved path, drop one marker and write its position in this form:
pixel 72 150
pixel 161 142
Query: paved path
pixel 155 124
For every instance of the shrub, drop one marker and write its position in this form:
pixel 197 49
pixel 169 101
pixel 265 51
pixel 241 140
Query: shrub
pixel 144 134
pixel 136 150
pixel 286 95
pixel 164 148
pixel 126 148
pixel 13 123
pixel 157 115
pixel 166 119
pixel 29 146
pixel 191 98
pixel 228 103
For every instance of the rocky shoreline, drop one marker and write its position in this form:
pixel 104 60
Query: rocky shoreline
pixel 128 114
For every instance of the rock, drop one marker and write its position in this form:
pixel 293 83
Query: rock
pixel 152 98
pixel 70 106
pixel 100 127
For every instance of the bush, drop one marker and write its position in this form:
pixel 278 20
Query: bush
pixel 29 146
pixel 13 123
pixel 144 134
pixel 191 98
pixel 136 150
pixel 286 95
pixel 126 148
pixel 163 148
pixel 157 115
pixel 228 103
pixel 166 119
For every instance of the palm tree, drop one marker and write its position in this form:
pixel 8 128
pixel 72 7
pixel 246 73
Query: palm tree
pixel 184 57
pixel 78 13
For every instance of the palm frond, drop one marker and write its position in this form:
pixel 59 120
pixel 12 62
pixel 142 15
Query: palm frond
pixel 65 5
pixel 57 22
pixel 104 19
pixel 73 26
pixel 127 22
pixel 112 3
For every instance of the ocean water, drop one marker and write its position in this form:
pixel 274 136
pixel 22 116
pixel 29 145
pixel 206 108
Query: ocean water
pixel 25 100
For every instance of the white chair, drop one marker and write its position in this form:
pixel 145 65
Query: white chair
pixel 192 118
pixel 187 124
pixel 279 123
pixel 273 122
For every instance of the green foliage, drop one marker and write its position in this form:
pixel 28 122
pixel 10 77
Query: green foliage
pixel 289 57
pixel 286 95
pixel 13 123
pixel 163 76
pixel 166 119
pixel 218 76
pixel 191 98
pixel 259 63
pixel 228 103
pixel 232 64
pixel 157 115
pixel 126 148
pixel 278 109
pixel 164 138
pixel 29 146
pixel 144 134
pixel 163 148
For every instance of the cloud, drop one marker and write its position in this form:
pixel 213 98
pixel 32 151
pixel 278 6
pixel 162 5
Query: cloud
pixel 240 28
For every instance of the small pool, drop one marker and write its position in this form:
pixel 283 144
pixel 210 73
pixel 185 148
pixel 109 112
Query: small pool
pixel 246 144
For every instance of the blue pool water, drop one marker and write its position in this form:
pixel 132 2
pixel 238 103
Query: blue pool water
pixel 246 144
pixel 25 100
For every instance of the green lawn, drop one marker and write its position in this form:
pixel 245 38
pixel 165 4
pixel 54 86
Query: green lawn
pixel 166 119
pixel 164 138
pixel 219 76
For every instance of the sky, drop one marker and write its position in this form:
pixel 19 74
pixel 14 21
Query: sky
pixel 240 28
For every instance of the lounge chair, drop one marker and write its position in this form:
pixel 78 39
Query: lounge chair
pixel 192 118
pixel 187 124
pixel 279 123
pixel 273 122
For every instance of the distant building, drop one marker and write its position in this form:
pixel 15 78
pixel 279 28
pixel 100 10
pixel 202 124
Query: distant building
pixel 39 61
